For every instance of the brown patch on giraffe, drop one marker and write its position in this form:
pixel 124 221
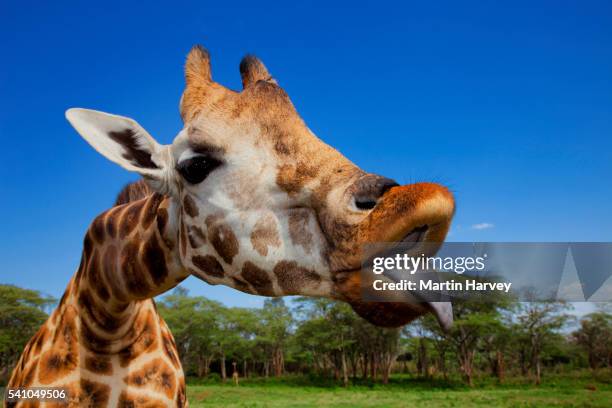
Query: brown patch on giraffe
pixel 150 210
pixel 128 139
pixel 265 234
pixel 181 399
pixel 281 148
pixel 155 374
pixel 29 404
pixel 93 341
pixel 132 271
pixel 209 265
pixel 109 268
pixel 196 236
pixel 112 219
pixel 258 278
pixel 62 358
pixel 291 178
pixel 65 295
pixel 291 277
pixel 298 229
pixel 128 400
pixel 130 218
pixel 99 364
pixel 183 239
pixel 222 238
pixel 87 246
pixel 29 374
pixel 91 313
pixel 40 339
pixel 72 400
pixel 190 206
pixel 145 341
pixel 241 285
pixel 162 221
pixel 97 228
pixel 25 357
pixel 96 277
pixel 154 260
pixel 169 349
pixel 93 394
pixel 54 316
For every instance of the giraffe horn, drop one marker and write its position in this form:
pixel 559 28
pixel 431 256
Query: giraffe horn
pixel 198 80
pixel 253 70
pixel 197 67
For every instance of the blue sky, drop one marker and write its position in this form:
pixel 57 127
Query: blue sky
pixel 509 105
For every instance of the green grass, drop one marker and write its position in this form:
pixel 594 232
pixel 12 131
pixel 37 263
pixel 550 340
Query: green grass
pixel 580 389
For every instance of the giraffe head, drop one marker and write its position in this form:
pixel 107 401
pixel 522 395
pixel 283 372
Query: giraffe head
pixel 259 203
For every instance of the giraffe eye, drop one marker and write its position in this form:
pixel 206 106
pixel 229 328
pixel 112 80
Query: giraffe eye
pixel 197 168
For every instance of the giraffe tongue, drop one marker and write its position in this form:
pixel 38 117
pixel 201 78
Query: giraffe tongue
pixel 444 313
pixel 442 310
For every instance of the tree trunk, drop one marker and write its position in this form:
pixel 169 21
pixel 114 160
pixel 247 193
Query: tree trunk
pixel 538 372
pixel 354 363
pixel 344 370
pixel 523 358
pixel 223 372
pixel 203 366
pixel 500 366
pixel 278 362
pixel 386 371
pixel 535 359
pixel 442 363
pixel 466 357
pixel 423 362
pixel 374 367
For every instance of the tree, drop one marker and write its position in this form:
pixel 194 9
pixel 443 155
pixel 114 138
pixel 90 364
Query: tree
pixel 595 337
pixel 476 318
pixel 274 333
pixel 194 323
pixel 539 322
pixel 22 312
pixel 325 333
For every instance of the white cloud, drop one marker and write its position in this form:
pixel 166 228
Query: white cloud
pixel 483 225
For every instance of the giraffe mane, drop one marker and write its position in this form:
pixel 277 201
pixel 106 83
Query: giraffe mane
pixel 133 192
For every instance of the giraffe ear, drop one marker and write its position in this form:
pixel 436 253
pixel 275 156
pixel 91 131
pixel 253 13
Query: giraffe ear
pixel 123 141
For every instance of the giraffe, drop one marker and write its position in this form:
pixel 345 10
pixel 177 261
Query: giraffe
pixel 245 196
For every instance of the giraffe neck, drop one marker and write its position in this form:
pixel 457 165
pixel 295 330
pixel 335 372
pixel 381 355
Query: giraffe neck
pixel 130 255
pixel 105 343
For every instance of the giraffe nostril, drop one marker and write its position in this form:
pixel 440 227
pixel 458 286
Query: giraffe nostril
pixel 365 203
pixel 369 189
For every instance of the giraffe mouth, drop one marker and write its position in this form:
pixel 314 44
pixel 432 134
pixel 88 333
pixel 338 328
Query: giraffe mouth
pixel 408 305
pixel 412 220
pixel 416 235
pixel 412 243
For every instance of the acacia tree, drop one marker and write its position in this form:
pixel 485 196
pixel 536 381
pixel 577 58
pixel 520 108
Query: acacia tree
pixel 194 322
pixel 334 337
pixel 539 323
pixel 22 312
pixel 595 337
pixel 475 319
pixel 273 334
pixel 324 334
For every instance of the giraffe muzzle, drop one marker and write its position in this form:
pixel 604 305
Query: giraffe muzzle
pixel 409 216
